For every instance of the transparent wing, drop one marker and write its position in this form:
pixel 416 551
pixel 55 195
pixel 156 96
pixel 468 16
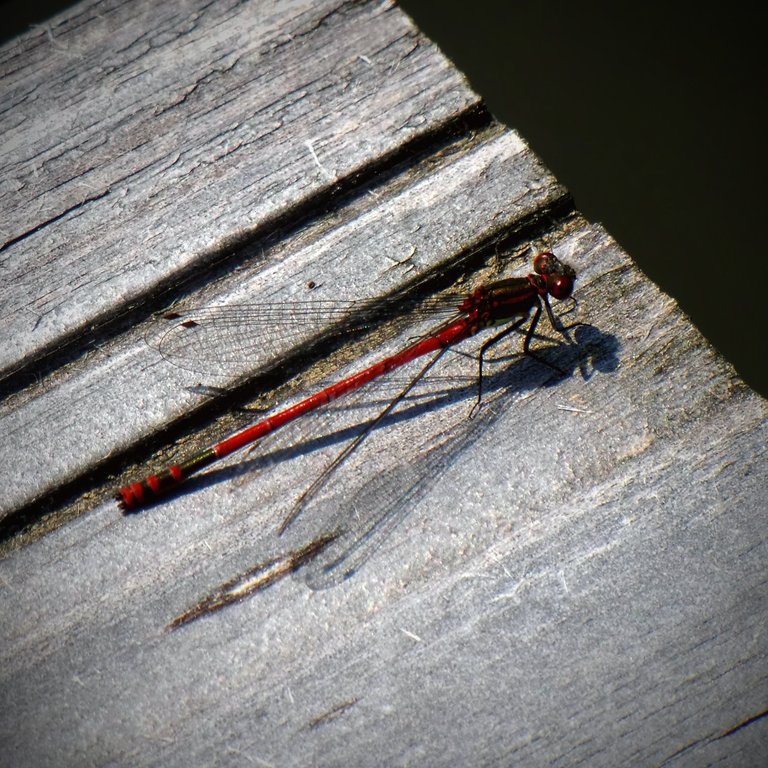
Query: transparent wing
pixel 219 339
pixel 365 516
pixel 405 457
pixel 396 465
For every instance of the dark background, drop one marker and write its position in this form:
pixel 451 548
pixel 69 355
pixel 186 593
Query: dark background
pixel 652 115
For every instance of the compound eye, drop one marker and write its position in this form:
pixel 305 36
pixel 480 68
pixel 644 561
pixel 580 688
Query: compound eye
pixel 559 286
pixel 542 262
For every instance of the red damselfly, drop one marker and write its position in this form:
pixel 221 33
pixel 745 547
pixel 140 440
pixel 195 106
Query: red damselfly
pixel 506 303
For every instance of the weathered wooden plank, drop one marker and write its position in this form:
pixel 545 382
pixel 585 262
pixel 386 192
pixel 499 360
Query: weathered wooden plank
pixel 578 575
pixel 582 585
pixel 125 391
pixel 134 150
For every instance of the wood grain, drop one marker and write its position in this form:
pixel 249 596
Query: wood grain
pixel 123 126
pixel 574 576
pixel 123 392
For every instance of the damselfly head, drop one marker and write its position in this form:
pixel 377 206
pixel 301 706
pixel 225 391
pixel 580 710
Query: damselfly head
pixel 559 277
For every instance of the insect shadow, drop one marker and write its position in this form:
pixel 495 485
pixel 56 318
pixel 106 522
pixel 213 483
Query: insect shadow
pixel 336 553
pixel 592 351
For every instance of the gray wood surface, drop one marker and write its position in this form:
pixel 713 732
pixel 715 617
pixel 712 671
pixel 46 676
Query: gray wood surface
pixel 96 406
pixel 576 575
pixel 123 123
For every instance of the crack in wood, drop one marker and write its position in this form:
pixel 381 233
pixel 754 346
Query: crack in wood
pixel 253 580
